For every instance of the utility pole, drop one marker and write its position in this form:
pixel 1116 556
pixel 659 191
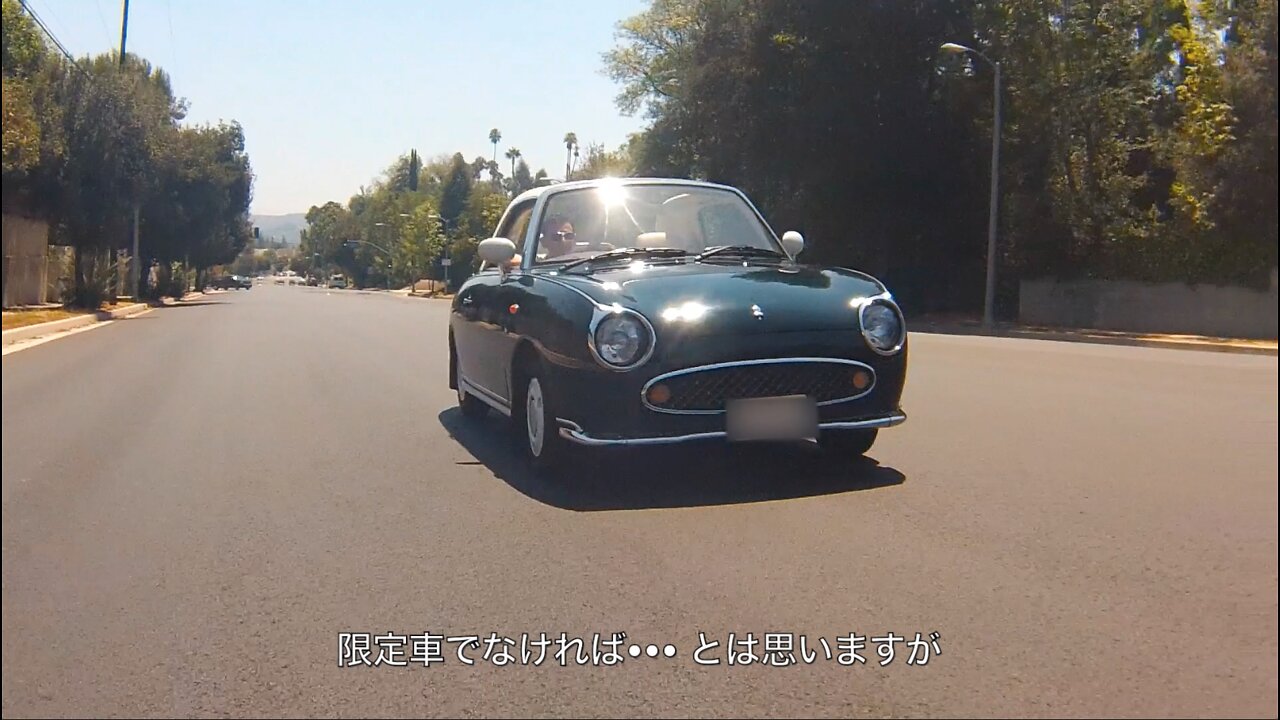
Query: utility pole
pixel 135 266
pixel 124 31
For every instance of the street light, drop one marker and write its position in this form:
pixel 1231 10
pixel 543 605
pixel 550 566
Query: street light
pixel 447 259
pixel 988 307
pixel 413 282
pixel 385 252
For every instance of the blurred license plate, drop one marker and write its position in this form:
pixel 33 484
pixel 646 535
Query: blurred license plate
pixel 791 417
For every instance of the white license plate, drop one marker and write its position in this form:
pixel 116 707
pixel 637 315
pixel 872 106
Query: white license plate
pixel 791 417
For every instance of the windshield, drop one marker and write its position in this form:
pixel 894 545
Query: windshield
pixel 580 223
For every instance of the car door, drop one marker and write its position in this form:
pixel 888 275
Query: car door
pixel 488 352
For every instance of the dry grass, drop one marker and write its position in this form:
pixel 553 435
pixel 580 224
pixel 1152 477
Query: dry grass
pixel 23 318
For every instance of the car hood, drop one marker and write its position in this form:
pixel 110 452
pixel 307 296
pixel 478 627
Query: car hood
pixel 733 298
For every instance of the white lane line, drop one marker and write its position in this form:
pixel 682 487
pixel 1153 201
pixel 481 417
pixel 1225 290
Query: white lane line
pixel 33 342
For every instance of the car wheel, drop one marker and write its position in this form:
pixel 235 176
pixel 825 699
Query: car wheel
pixel 850 443
pixel 536 421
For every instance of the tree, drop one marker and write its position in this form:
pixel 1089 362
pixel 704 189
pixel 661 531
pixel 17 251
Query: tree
pixel 88 143
pixel 655 50
pixel 570 144
pixel 603 163
pixel 495 137
pixel 1245 201
pixel 24 55
pixel 456 190
pixel 484 209
pixel 1136 142
pixel 521 179
pixel 421 240
pixel 415 170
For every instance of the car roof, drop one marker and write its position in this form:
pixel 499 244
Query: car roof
pixel 596 182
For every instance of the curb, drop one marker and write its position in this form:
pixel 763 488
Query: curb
pixel 30 332
pixel 1083 336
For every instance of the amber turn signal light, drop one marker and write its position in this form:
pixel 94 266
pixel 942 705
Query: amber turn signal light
pixel 861 380
pixel 659 394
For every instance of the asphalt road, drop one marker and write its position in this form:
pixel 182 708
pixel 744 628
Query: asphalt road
pixel 197 501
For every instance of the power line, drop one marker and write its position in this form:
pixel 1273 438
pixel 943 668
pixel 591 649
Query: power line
pixel 31 11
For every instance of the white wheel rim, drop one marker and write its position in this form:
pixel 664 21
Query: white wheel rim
pixel 534 420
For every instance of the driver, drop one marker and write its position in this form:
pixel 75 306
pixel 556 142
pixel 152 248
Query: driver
pixel 557 237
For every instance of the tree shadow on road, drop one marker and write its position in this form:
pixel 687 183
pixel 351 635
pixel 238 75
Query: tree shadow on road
pixel 192 303
pixel 697 474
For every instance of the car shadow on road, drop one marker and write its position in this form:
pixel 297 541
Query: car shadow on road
pixel 698 474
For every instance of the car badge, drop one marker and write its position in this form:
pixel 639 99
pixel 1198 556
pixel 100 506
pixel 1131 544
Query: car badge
pixel 757 312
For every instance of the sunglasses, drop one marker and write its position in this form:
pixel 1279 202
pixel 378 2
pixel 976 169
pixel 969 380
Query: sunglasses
pixel 567 235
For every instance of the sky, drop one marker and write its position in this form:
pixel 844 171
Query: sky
pixel 330 92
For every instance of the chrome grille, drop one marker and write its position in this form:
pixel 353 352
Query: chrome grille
pixel 705 389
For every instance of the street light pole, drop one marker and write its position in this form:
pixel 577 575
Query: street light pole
pixel 448 260
pixel 379 247
pixel 989 300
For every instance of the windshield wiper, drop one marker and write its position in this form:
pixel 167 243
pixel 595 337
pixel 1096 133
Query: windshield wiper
pixel 743 250
pixel 625 253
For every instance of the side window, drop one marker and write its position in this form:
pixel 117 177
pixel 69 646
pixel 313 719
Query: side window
pixel 514 226
pixel 517 223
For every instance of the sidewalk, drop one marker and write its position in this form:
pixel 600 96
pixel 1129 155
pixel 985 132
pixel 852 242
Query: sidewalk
pixel 941 325
pixel 424 289
pixel 66 321
pixel 72 320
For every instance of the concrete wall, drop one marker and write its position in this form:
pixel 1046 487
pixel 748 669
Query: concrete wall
pixel 1148 307
pixel 26 245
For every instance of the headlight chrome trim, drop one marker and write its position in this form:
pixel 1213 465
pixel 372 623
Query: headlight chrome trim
pixel 886 300
pixel 598 315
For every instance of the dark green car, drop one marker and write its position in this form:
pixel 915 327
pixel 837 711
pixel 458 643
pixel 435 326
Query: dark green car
pixel 646 311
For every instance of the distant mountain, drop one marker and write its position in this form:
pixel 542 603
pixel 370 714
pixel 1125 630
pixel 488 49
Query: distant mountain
pixel 280 227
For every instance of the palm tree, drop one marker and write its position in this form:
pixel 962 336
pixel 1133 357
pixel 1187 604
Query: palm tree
pixel 570 142
pixel 495 137
pixel 513 154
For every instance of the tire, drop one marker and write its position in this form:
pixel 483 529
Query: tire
pixel 849 443
pixel 535 421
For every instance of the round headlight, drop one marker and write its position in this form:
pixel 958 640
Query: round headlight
pixel 882 327
pixel 621 339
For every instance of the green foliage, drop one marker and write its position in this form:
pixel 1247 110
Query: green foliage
pixel 1136 144
pixel 521 179
pixel 456 189
pixel 28 119
pixel 89 144
pixel 603 163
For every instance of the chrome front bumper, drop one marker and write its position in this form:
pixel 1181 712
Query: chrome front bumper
pixel 574 433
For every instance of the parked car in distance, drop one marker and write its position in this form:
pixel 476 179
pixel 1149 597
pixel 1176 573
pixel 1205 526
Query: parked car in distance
pixel 337 282
pixel 231 282
pixel 642 312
